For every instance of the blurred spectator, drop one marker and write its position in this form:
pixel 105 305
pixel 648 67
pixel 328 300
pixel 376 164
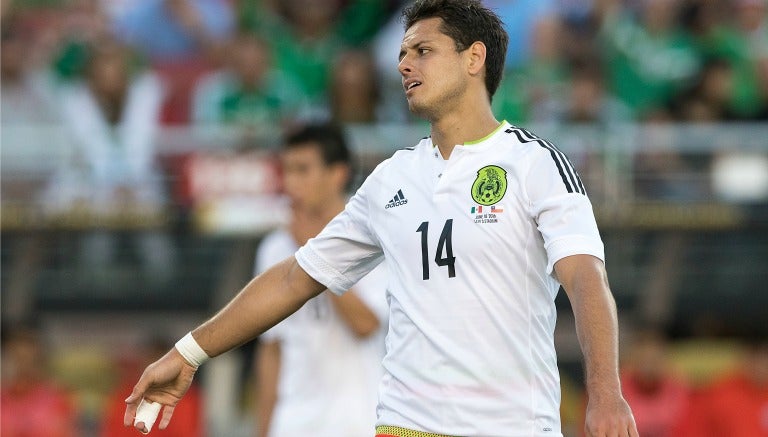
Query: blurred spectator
pixel 248 93
pixel 360 20
pixel 586 99
pixel 736 405
pixel 356 21
pixel 305 44
pixel 522 19
pixel 188 416
pixel 582 25
pixel 25 92
pixel 32 404
pixel 658 396
pixel 113 116
pixel 182 39
pixel 173 30
pixel 750 101
pixel 649 56
pixel 740 43
pixel 354 89
pixel 307 36
pixel 524 92
pixel 81 25
pixel 708 100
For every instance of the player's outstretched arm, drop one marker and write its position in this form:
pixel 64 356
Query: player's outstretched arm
pixel 266 300
pixel 586 283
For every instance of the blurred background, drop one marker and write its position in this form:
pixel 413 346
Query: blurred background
pixel 139 174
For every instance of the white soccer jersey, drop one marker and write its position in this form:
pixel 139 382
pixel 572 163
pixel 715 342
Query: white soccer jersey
pixel 327 385
pixel 470 245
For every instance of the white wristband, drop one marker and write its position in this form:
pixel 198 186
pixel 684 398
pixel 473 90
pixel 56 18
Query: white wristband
pixel 191 351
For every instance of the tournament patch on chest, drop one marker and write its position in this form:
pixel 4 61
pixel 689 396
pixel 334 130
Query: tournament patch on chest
pixel 487 191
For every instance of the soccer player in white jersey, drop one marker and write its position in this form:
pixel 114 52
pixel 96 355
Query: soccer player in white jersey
pixel 478 226
pixel 333 344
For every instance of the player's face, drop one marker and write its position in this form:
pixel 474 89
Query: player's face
pixel 431 69
pixel 308 181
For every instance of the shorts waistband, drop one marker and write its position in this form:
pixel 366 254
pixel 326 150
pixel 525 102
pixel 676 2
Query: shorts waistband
pixel 396 431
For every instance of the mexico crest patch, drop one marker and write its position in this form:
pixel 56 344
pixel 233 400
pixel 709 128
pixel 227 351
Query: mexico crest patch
pixel 490 185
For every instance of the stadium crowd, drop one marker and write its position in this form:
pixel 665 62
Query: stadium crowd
pixel 257 63
pixel 115 73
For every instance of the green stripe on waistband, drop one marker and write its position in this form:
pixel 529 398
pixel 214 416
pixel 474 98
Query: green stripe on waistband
pixel 396 431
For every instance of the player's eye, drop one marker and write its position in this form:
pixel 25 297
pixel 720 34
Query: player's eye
pixel 423 50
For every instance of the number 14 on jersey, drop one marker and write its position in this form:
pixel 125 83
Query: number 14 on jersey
pixel 444 246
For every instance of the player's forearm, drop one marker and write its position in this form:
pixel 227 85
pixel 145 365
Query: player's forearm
pixel 596 325
pixel 355 313
pixel 266 300
pixel 597 329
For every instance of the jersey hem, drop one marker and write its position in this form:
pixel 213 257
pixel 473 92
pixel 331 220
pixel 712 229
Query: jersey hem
pixel 316 267
pixel 573 245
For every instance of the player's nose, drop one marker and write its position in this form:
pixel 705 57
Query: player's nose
pixel 404 66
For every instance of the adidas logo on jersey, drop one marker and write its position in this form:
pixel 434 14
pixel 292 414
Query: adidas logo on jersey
pixel 398 200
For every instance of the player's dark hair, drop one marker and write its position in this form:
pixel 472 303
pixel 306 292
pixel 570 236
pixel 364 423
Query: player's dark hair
pixel 467 21
pixel 330 140
pixel 330 137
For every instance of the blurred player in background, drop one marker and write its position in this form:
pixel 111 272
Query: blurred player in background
pixel 736 405
pixel 479 225
pixel 32 404
pixel 657 394
pixel 333 344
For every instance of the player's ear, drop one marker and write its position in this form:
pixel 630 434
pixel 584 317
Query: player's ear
pixel 476 57
pixel 341 174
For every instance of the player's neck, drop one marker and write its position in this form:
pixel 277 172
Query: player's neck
pixel 462 127
pixel 330 209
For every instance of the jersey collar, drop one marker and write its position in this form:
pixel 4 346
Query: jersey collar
pixel 487 137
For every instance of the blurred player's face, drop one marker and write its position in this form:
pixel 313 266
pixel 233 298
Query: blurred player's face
pixel 309 182
pixel 432 70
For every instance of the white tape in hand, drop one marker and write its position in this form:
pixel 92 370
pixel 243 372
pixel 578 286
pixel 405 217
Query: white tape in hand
pixel 147 412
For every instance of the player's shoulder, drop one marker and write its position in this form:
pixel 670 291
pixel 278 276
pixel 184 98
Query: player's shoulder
pixel 402 159
pixel 549 161
pixel 525 138
pixel 523 142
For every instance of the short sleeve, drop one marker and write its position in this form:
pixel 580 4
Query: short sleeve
pixel 346 250
pixel 559 204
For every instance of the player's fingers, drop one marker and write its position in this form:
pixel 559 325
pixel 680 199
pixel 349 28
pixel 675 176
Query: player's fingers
pixel 146 415
pixel 141 427
pixel 138 391
pixel 132 402
pixel 167 414
pixel 130 412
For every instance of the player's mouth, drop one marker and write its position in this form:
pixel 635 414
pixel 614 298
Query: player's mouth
pixel 410 84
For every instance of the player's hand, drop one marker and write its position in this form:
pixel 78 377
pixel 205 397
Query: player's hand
pixel 164 381
pixel 610 418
